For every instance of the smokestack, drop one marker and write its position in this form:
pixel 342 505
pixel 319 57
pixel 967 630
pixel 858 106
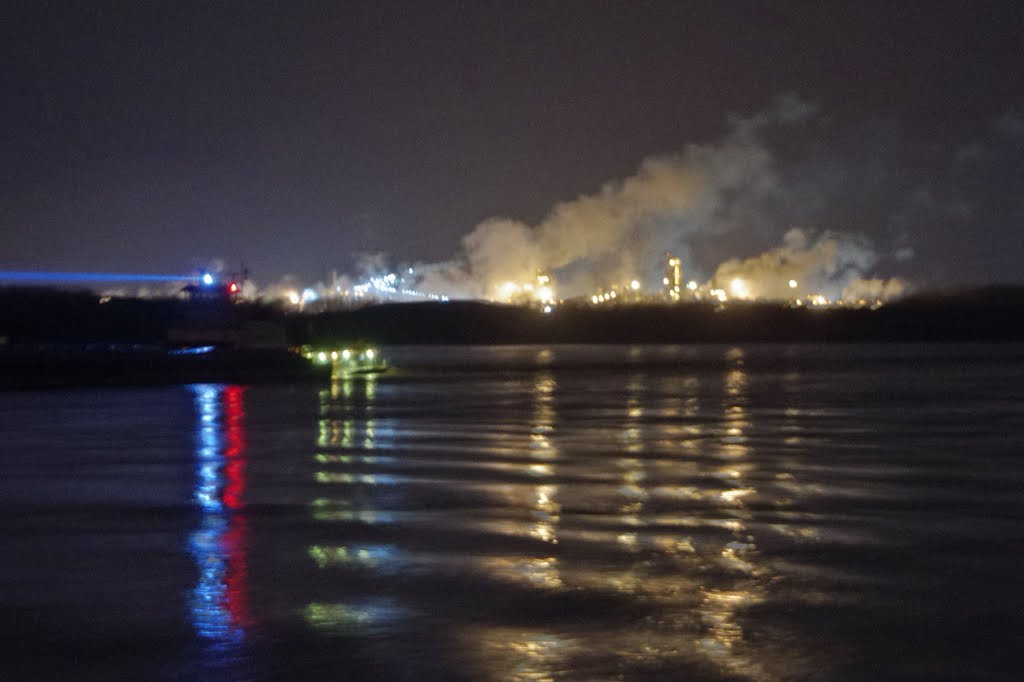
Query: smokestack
pixel 673 278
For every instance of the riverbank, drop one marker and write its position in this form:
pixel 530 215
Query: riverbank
pixel 997 316
pixel 38 317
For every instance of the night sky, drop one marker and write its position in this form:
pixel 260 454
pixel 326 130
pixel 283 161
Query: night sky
pixel 293 136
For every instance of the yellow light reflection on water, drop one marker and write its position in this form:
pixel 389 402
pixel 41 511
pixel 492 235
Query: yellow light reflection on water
pixel 666 528
pixel 719 610
pixel 346 477
pixel 325 556
pixel 334 616
pixel 541 470
pixel 545 506
pixel 362 617
pixel 347 423
pixel 633 478
pixel 735 494
pixel 734 405
pixel 527 655
pixel 534 572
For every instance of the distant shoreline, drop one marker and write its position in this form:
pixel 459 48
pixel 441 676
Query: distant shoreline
pixel 38 317
pixel 459 323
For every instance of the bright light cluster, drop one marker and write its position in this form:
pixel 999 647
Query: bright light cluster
pixel 391 286
pixel 626 291
pixel 540 292
pixel 673 278
pixel 347 360
pixel 604 297
pixel 385 287
pixel 724 287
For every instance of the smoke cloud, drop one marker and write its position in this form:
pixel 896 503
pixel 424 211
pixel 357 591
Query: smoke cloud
pixel 875 290
pixel 733 191
pixel 833 266
pixel 621 231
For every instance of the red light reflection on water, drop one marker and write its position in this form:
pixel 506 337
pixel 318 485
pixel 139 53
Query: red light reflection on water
pixel 234 447
pixel 236 577
pixel 234 540
pixel 220 605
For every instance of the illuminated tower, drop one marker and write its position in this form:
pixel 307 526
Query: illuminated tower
pixel 673 277
pixel 545 292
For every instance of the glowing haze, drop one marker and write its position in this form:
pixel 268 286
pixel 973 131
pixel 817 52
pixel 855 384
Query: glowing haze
pixel 832 265
pixel 622 231
pixel 619 235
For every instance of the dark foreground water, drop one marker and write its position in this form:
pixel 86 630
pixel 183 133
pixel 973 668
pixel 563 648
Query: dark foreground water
pixel 580 512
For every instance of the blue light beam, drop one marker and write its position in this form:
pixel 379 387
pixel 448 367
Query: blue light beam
pixel 30 276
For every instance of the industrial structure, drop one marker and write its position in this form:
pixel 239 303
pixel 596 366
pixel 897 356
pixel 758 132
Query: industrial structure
pixel 404 285
pixel 673 278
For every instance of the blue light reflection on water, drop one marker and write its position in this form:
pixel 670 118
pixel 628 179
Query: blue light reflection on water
pixel 196 350
pixel 208 448
pixel 217 604
pixel 210 616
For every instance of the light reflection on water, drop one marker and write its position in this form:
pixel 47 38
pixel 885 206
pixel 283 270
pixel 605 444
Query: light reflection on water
pixel 219 601
pixel 617 547
pixel 533 513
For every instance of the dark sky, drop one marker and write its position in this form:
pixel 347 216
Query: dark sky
pixel 142 136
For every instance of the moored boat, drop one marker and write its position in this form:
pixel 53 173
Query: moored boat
pixel 347 361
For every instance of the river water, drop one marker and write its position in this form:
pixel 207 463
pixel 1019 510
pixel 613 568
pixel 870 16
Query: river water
pixel 530 512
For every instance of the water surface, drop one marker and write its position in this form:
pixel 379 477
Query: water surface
pixel 586 512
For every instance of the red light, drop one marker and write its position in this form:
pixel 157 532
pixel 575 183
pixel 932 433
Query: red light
pixel 233 288
pixel 234 447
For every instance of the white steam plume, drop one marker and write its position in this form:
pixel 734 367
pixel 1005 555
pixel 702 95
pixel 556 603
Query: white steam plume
pixel 622 230
pixel 831 265
pixel 875 290
pixel 673 202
